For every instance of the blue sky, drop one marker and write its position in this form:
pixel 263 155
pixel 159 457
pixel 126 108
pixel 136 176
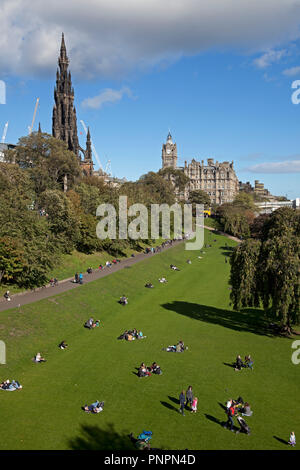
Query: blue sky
pixel 229 99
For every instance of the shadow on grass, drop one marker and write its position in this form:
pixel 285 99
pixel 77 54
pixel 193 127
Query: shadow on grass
pixel 215 420
pixel 94 438
pixel 174 400
pixel 222 406
pixel 229 365
pixel 282 441
pixel 247 320
pixel 169 406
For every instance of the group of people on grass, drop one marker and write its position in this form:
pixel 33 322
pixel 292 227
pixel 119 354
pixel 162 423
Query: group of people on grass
pixel 91 323
pixel 238 364
pixel 144 371
pixel 233 407
pixel 131 335
pixel 10 386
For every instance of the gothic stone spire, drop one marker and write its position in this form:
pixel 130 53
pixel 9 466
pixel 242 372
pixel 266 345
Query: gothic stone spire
pixel 64 120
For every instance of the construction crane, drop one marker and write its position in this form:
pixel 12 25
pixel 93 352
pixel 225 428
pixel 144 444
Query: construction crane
pixel 108 168
pixel 4 133
pixel 93 147
pixel 34 114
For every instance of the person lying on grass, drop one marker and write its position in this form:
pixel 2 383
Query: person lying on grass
pixel 179 347
pixel 172 266
pixel 163 280
pixel 123 300
pixel 63 345
pixel 149 285
pixel 10 386
pixel 96 407
pixel 39 358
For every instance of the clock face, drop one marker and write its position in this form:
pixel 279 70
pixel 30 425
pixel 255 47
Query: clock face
pixel 168 151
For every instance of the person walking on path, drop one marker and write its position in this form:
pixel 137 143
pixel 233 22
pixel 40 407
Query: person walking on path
pixel 182 402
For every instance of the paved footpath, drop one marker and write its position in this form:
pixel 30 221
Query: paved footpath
pixel 40 293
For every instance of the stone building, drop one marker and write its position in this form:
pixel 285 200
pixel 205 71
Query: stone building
pixel 64 119
pixel 218 180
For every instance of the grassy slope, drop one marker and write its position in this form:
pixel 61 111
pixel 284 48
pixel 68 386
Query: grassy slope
pixel 76 262
pixel 193 306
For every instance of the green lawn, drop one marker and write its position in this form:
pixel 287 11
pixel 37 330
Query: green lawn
pixel 193 306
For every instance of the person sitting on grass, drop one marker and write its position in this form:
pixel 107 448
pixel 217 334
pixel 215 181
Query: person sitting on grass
pixel 101 267
pixel 155 369
pixel 143 371
pixel 246 410
pixel 249 362
pixel 149 285
pixel 96 407
pixel 123 300
pixel 188 261
pixel 163 280
pixel 7 296
pixel 140 335
pixel 292 441
pixel 39 358
pixel 238 363
pixel 89 270
pixel 63 345
pixel 180 346
pixel 108 264
pixel 89 323
pixel 96 324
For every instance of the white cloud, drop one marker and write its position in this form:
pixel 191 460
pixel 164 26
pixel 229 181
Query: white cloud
pixel 288 166
pixel 106 96
pixel 292 71
pixel 107 38
pixel 268 58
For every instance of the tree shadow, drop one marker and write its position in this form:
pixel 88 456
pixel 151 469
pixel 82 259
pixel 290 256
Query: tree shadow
pixel 249 320
pixel 282 441
pixel 169 406
pixel 94 438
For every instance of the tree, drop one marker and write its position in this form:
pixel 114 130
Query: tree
pixel 200 197
pixel 11 258
pixel 267 271
pixel 47 160
pixel 177 177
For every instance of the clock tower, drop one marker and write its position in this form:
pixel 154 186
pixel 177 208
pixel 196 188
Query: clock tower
pixel 169 153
